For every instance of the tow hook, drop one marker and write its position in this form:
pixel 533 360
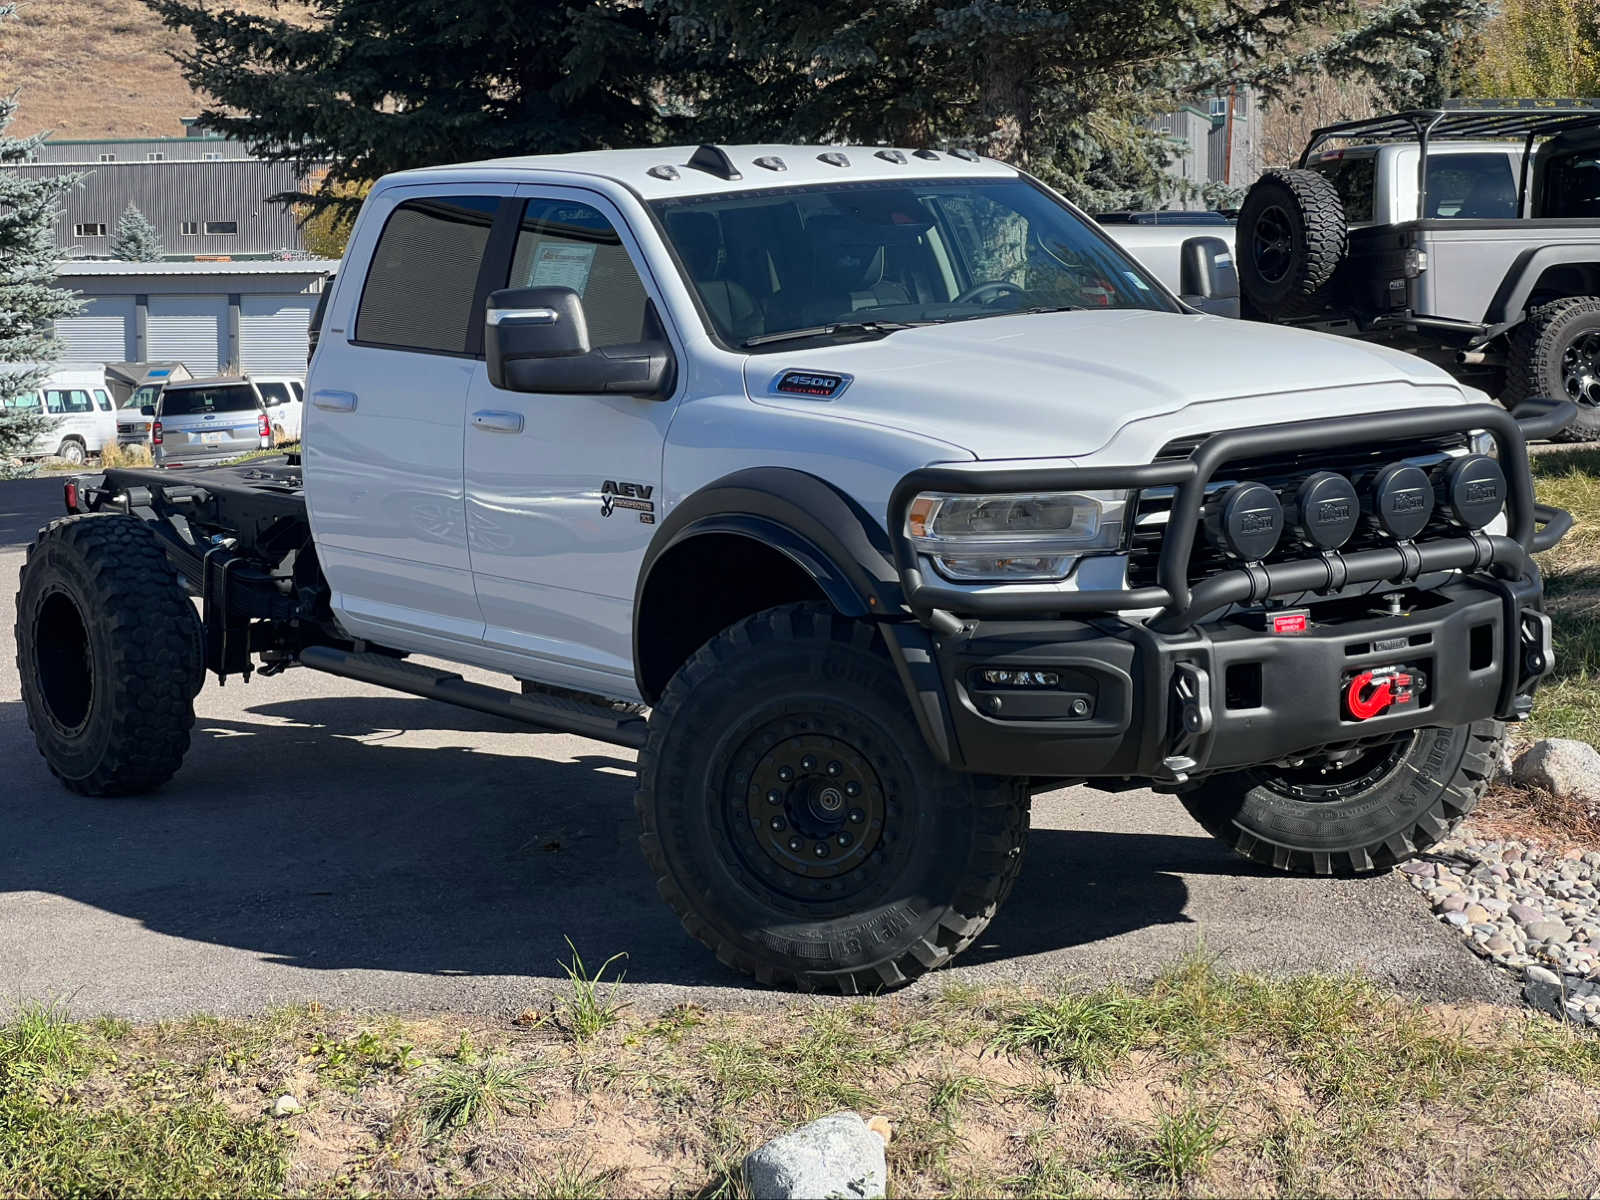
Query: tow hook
pixel 1370 693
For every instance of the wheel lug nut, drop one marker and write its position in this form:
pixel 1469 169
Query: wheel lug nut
pixel 786 773
pixel 795 844
pixel 857 816
pixel 777 824
pixel 820 850
pixel 844 839
pixel 808 763
pixel 834 768
pixel 774 797
pixel 852 788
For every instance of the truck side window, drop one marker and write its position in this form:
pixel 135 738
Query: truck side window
pixel 103 400
pixel 566 244
pixel 1470 187
pixel 424 275
pixel 63 401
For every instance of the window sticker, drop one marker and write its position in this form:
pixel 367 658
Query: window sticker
pixel 557 265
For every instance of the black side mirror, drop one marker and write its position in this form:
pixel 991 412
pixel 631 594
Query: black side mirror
pixel 537 340
pixel 147 410
pixel 1208 279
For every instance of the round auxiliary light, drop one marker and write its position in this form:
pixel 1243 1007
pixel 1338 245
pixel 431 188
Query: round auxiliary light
pixel 1324 510
pixel 1248 522
pixel 1472 490
pixel 1401 500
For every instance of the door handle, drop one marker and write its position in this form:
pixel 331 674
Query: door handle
pixel 491 421
pixel 334 401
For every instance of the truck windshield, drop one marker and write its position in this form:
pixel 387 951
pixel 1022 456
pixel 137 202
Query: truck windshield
pixel 230 397
pixel 784 263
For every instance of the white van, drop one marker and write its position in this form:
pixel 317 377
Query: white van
pixel 284 396
pixel 84 418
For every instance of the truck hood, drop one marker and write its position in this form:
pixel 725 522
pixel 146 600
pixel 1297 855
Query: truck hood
pixel 1062 385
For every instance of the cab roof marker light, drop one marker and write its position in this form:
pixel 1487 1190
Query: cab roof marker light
pixel 663 172
pixel 893 156
pixel 833 158
pixel 926 155
pixel 964 154
pixel 771 162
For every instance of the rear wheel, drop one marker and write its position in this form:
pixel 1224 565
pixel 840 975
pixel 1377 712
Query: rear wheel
pixel 796 822
pixel 1555 354
pixel 71 451
pixel 1355 809
pixel 109 653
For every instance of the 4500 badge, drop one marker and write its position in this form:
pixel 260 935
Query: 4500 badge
pixel 633 496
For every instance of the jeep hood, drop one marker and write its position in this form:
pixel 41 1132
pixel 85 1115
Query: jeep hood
pixel 1062 385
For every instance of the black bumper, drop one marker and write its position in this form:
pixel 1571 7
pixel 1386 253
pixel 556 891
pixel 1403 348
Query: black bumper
pixel 1129 701
pixel 1193 689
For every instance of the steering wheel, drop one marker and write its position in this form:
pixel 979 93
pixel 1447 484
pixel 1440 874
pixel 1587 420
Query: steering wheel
pixel 990 289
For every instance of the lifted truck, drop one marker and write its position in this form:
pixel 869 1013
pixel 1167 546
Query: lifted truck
pixel 865 493
pixel 1469 235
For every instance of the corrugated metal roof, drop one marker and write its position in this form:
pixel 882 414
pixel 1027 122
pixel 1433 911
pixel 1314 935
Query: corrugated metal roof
pixel 301 266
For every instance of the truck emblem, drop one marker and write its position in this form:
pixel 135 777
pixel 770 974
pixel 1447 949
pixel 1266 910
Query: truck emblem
pixel 819 385
pixel 632 496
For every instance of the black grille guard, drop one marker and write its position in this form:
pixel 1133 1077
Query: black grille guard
pixel 1531 527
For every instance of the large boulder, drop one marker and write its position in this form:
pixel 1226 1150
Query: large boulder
pixel 1567 768
pixel 836 1156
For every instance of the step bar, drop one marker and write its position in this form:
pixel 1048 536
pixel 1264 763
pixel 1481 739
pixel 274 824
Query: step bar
pixel 546 712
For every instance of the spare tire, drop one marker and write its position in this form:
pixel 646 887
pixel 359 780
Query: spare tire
pixel 1291 238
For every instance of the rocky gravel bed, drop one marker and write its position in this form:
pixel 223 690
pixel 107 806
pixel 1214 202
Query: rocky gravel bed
pixel 1532 910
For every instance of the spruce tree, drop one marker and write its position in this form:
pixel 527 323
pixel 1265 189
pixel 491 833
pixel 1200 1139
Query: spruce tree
pixel 372 86
pixel 29 299
pixel 136 239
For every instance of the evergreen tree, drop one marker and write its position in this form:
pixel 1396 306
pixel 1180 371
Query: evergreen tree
pixel 29 299
pixel 372 86
pixel 136 239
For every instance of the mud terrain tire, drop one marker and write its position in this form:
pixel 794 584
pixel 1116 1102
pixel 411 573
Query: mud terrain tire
pixel 788 732
pixel 1291 238
pixel 109 653
pixel 1555 355
pixel 1378 811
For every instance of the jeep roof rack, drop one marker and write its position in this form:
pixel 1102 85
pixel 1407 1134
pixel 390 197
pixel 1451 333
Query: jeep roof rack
pixel 1528 119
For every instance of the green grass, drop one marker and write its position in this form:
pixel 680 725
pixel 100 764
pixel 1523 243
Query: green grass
pixel 460 1094
pixel 586 1012
pixel 1178 1147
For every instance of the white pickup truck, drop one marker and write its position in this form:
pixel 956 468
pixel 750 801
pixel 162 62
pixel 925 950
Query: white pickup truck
pixel 865 492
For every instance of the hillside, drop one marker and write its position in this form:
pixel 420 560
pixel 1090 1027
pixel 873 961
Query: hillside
pixel 97 68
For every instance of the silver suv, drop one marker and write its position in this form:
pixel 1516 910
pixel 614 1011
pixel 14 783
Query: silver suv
pixel 209 420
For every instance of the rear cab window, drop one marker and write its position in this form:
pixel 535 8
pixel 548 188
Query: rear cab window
pixel 1355 178
pixel 1471 187
pixel 228 397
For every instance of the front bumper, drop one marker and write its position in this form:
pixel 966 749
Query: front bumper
pixel 1195 688
pixel 1135 702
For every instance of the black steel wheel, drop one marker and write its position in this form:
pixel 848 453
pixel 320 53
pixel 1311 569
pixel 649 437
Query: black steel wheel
pixel 796 821
pixel 1290 240
pixel 1353 809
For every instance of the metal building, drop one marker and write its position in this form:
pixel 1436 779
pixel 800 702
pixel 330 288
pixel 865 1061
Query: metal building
pixel 249 316
pixel 196 147
pixel 216 207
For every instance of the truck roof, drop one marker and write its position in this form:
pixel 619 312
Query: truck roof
pixel 663 172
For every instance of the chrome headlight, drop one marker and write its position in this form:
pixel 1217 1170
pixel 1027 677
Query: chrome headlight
pixel 1014 537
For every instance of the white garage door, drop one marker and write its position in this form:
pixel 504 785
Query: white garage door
pixel 272 333
pixel 100 332
pixel 190 329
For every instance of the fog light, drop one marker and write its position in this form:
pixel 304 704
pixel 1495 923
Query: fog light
pixel 1472 491
pixel 1325 510
pixel 1022 679
pixel 1401 500
pixel 1248 522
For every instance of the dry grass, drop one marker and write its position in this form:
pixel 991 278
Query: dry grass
pixel 1569 703
pixel 1203 1084
pixel 99 68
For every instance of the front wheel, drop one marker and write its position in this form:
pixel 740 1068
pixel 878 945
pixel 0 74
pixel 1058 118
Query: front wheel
pixel 795 820
pixel 1357 809
pixel 1555 354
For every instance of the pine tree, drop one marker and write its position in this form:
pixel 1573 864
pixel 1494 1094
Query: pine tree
pixel 136 239
pixel 29 299
pixel 372 86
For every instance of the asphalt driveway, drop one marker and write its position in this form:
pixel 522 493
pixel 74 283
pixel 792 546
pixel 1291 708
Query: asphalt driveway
pixel 330 840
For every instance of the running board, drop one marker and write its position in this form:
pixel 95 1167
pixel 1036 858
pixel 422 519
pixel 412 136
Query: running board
pixel 547 712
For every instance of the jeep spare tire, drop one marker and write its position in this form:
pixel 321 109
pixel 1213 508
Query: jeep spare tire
pixel 1291 238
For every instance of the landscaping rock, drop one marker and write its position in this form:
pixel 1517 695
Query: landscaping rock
pixel 285 1106
pixel 1541 988
pixel 836 1156
pixel 1565 767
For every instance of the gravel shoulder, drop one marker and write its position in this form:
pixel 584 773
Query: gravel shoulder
pixel 330 841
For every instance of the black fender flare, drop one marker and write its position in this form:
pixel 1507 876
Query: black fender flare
pixel 1510 301
pixel 838 544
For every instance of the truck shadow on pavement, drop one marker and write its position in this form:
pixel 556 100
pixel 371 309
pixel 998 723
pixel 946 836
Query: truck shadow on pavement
pixel 321 834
